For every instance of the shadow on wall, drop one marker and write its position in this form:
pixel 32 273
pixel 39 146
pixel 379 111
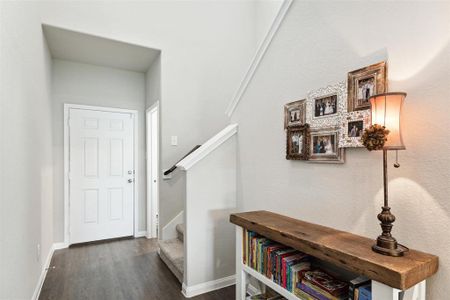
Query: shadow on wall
pixel 419 49
pixel 224 232
pixel 419 189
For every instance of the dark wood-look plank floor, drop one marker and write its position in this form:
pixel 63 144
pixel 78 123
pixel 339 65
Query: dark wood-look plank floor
pixel 125 269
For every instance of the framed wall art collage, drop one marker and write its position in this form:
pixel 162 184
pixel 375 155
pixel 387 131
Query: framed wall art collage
pixel 332 118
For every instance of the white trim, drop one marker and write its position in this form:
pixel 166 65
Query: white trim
pixel 134 115
pixel 170 230
pixel 258 57
pixel 198 289
pixel 208 147
pixel 152 204
pixel 141 233
pixel 59 246
pixel 41 279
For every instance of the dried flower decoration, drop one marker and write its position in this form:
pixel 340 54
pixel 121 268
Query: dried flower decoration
pixel 374 137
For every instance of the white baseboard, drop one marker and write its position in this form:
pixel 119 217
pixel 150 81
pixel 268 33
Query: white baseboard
pixel 140 234
pixel 169 231
pixel 198 289
pixel 40 283
pixel 58 246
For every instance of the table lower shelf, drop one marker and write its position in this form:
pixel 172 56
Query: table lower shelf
pixel 268 282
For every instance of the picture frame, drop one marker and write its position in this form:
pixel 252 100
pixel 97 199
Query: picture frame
pixel 324 146
pixel 295 113
pixel 365 82
pixel 352 128
pixel 297 142
pixel 325 106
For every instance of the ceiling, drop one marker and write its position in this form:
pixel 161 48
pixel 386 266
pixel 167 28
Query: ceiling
pixel 84 48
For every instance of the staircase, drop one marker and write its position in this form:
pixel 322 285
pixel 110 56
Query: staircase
pixel 172 253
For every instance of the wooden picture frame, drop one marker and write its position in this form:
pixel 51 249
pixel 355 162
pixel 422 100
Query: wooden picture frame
pixel 365 82
pixel 295 113
pixel 352 128
pixel 324 146
pixel 297 142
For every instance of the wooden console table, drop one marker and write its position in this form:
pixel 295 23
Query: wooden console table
pixel 393 278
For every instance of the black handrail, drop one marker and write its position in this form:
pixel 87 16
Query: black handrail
pixel 167 172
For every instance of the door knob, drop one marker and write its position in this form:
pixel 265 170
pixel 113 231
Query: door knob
pixel 130 180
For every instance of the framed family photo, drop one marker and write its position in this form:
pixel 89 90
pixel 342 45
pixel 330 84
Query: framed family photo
pixel 324 146
pixel 297 142
pixel 294 113
pixel 352 128
pixel 325 106
pixel 364 83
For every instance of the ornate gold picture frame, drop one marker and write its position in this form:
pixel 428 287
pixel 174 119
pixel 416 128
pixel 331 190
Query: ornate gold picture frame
pixel 365 82
pixel 295 113
pixel 297 142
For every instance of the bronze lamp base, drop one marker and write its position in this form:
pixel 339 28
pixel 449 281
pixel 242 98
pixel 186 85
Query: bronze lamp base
pixel 386 243
pixel 399 250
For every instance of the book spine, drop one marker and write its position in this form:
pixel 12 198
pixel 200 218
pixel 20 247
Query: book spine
pixel 320 290
pixel 312 292
pixel 303 295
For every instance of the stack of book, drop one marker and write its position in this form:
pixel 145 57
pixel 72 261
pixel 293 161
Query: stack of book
pixel 318 284
pixel 281 264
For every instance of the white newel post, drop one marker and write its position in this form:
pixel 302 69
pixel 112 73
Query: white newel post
pixel 381 291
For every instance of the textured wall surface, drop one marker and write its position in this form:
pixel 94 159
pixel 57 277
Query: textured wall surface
pixel 317 44
pixel 26 161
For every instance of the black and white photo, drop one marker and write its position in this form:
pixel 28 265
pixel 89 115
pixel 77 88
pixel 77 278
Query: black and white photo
pixel 294 113
pixel 325 106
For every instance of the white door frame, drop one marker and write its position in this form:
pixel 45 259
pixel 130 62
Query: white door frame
pixel 152 203
pixel 134 114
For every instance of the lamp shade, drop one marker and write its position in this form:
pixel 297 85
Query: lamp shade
pixel 386 110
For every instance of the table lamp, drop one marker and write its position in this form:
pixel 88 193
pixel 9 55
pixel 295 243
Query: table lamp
pixel 386 109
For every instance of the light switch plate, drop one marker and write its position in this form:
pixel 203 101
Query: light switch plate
pixel 174 140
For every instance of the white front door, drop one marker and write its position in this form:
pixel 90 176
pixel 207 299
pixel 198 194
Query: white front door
pixel 101 175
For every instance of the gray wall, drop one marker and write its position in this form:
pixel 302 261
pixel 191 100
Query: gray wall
pixel 153 83
pixel 26 160
pixel 77 83
pixel 206 48
pixel 317 44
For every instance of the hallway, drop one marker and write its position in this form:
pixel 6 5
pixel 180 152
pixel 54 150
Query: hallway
pixel 121 269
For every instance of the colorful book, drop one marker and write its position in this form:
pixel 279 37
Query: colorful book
pixel 268 258
pixel 287 262
pixel 297 273
pixel 365 292
pixel 303 295
pixel 323 292
pixel 327 283
pixel 274 261
pixel 354 284
pixel 279 265
pixel 317 292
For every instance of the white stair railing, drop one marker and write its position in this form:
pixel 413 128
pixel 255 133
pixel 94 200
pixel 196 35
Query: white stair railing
pixel 210 198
